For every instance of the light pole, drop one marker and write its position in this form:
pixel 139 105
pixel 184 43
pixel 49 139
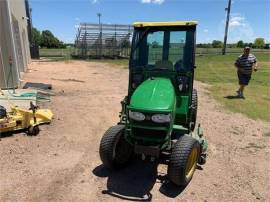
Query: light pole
pixel 100 34
pixel 99 16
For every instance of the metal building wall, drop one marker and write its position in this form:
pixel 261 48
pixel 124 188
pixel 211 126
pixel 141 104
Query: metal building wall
pixel 19 20
pixel 8 76
pixel 14 42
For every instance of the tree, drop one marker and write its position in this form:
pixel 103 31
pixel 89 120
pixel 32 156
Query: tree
pixel 259 43
pixel 232 45
pixel 204 45
pixel 155 44
pixel 50 41
pixel 240 44
pixel 217 44
pixel 36 37
pixel 249 45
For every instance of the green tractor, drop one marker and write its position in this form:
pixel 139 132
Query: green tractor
pixel 158 115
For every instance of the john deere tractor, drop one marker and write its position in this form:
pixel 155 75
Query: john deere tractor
pixel 158 115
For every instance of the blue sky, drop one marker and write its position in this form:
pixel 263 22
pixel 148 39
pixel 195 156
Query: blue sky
pixel 249 18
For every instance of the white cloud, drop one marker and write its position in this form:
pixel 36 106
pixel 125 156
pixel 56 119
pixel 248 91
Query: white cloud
pixel 152 1
pixel 94 1
pixel 237 21
pixel 239 29
pixel 205 30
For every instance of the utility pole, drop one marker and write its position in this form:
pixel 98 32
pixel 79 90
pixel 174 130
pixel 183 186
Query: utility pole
pixel 228 9
pixel 100 34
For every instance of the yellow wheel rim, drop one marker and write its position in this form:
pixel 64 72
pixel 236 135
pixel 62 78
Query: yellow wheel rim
pixel 191 163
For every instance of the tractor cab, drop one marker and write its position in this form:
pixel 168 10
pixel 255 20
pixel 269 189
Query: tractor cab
pixel 165 50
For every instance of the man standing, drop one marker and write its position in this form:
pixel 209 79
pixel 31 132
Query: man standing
pixel 245 65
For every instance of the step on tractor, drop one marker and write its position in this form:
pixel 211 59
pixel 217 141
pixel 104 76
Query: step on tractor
pixel 158 115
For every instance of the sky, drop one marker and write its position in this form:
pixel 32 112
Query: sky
pixel 249 19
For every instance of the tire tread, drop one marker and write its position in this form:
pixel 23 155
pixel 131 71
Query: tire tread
pixel 178 160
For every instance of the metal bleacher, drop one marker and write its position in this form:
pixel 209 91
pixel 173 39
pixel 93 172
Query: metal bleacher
pixel 103 40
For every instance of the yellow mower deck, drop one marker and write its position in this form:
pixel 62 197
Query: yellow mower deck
pixel 19 119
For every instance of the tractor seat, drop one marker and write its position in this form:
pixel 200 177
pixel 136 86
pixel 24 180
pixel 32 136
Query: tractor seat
pixel 164 64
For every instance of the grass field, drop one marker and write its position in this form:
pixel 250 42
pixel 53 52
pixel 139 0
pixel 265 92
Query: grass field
pixel 52 52
pixel 220 72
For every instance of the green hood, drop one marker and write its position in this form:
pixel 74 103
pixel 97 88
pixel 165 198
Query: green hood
pixel 156 95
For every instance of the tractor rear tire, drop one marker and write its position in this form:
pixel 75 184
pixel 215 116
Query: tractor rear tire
pixel 194 104
pixel 183 160
pixel 115 152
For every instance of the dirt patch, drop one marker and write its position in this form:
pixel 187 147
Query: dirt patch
pixel 62 163
pixel 267 64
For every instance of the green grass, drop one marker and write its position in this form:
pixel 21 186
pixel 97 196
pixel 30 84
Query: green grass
pixel 228 50
pixel 220 72
pixel 53 52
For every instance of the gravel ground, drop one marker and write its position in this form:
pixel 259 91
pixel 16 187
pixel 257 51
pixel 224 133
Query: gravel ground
pixel 62 163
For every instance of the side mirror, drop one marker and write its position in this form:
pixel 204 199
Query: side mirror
pixel 194 66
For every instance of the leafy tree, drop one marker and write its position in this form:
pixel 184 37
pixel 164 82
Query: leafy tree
pixel 232 45
pixel 155 44
pixel 249 45
pixel 267 46
pixel 240 44
pixel 204 45
pixel 36 37
pixel 217 44
pixel 259 43
pixel 50 41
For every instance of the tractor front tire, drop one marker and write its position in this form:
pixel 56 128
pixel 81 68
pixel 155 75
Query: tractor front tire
pixel 183 160
pixel 194 104
pixel 114 150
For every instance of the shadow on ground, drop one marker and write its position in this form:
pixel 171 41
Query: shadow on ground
pixel 231 97
pixel 12 133
pixel 135 182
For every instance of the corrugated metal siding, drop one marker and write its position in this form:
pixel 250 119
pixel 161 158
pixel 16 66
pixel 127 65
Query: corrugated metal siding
pixel 19 21
pixel 13 43
pixel 6 50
